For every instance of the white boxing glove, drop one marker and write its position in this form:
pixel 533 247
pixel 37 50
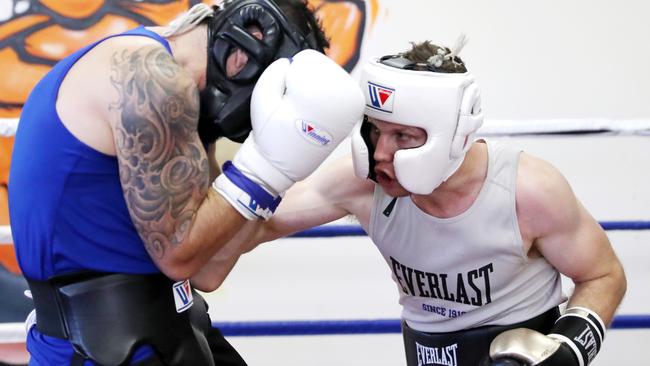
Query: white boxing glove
pixel 301 109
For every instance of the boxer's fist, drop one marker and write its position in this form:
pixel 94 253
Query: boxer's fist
pixel 521 346
pixel 501 362
pixel 574 340
pixel 301 109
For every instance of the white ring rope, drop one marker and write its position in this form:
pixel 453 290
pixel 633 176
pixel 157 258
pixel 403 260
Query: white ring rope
pixel 504 127
pixel 8 126
pixel 5 235
pixel 509 127
pixel 12 333
pixel 495 127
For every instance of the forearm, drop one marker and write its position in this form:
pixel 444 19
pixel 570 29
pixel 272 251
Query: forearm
pixel 211 226
pixel 252 234
pixel 215 271
pixel 602 295
pixel 213 164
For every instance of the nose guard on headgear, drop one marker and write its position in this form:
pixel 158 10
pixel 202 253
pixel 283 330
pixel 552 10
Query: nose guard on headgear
pixel 225 102
pixel 445 105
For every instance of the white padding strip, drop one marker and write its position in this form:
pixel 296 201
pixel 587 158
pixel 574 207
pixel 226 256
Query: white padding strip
pixel 12 333
pixel 5 235
pixel 8 126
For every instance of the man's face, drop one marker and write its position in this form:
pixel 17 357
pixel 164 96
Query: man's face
pixel 238 58
pixel 387 138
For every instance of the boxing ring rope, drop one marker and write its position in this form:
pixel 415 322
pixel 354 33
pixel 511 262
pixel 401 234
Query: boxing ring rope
pixel 491 127
pixel 331 231
pixel 341 327
pixel 498 127
pixel 8 126
pixel 367 326
pixel 15 332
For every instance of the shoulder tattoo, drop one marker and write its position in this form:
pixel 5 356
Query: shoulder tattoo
pixel 163 166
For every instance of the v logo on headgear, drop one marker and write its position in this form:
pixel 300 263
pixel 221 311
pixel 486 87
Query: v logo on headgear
pixel 380 97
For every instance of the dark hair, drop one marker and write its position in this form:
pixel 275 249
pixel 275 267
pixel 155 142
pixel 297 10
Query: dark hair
pixel 303 16
pixel 300 14
pixel 425 53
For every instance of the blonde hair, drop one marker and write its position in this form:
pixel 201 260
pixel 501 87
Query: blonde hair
pixel 188 20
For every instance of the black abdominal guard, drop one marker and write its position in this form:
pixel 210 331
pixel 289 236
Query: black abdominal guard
pixel 225 102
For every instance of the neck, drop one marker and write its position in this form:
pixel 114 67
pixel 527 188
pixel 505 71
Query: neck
pixel 190 51
pixel 456 194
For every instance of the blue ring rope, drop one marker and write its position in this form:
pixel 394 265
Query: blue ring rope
pixel 625 225
pixel 382 326
pixel 374 326
pixel 329 231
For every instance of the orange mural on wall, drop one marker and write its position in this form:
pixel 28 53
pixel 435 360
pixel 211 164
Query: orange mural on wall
pixel 38 33
pixel 35 34
pixel 7 257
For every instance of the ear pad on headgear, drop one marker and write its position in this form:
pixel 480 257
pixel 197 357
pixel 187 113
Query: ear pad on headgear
pixel 470 119
pixel 363 151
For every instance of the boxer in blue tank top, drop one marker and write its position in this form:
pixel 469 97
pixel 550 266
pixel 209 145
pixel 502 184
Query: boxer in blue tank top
pixel 109 199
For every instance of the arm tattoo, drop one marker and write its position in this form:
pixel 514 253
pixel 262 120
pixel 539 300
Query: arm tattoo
pixel 163 166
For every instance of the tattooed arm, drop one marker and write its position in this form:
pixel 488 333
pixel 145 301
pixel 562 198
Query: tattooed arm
pixel 163 166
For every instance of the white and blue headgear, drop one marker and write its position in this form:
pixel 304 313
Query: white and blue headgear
pixel 446 105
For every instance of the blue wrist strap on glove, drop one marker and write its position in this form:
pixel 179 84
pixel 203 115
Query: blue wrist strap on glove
pixel 260 202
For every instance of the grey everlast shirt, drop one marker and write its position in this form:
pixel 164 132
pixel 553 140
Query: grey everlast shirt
pixel 469 270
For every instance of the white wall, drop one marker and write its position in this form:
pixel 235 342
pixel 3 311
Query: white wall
pixel 534 60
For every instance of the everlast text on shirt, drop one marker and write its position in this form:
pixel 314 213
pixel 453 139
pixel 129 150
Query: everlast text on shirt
pixel 472 287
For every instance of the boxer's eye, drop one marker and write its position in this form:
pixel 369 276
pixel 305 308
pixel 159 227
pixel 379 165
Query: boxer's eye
pixel 236 62
pixel 374 135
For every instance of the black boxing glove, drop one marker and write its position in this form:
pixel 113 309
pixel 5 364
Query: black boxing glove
pixel 521 346
pixel 575 339
pixel 501 362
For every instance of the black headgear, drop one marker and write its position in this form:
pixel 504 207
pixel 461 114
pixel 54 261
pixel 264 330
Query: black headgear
pixel 225 102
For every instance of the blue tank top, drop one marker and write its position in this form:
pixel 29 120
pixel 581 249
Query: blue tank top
pixel 66 205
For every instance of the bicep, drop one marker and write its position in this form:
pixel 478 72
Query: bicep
pixel 565 233
pixel 581 251
pixel 163 167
